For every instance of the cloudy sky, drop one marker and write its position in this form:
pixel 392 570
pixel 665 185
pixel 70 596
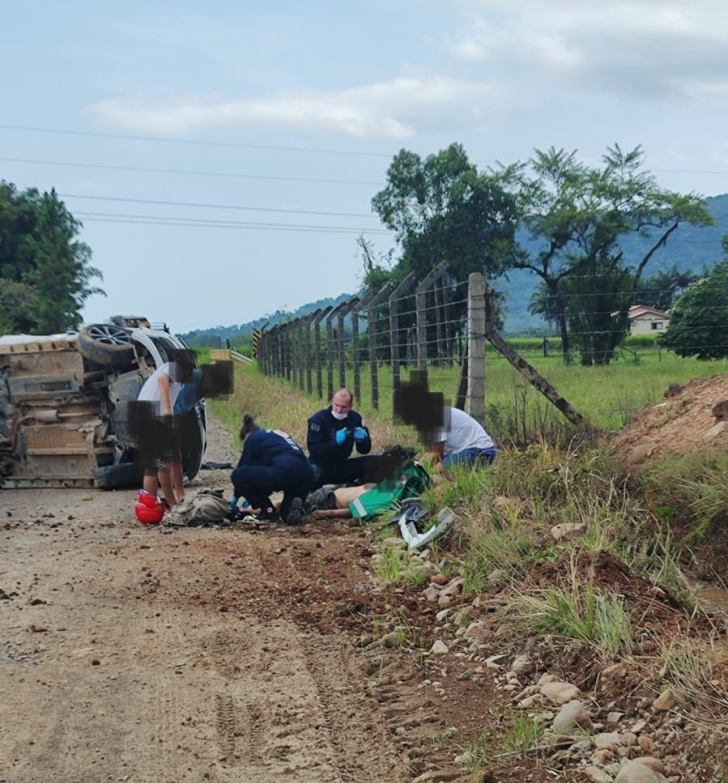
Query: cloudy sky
pixel 222 156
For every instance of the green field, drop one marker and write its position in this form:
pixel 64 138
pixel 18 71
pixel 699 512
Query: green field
pixel 606 396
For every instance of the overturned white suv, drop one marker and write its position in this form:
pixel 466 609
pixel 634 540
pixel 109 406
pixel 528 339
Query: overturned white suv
pixel 64 405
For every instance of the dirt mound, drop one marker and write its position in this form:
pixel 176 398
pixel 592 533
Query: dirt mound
pixel 683 423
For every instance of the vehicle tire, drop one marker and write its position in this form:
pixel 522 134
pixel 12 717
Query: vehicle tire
pixel 106 344
pixel 191 442
pixel 124 476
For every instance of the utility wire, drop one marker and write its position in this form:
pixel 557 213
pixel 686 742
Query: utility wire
pixel 162 220
pixel 144 170
pixel 197 205
pixel 202 143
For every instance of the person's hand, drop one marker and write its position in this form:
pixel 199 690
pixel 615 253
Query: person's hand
pixel 360 434
pixel 341 436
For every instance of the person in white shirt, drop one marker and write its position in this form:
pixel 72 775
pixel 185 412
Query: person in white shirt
pixel 460 441
pixel 158 435
pixel 168 393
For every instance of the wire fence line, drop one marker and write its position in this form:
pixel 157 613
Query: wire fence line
pixel 409 326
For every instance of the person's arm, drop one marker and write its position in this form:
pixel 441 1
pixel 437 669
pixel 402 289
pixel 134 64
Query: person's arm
pixel 434 454
pixel 320 442
pixel 247 456
pixel 165 395
pixel 363 444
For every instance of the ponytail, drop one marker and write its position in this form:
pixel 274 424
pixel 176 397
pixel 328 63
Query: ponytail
pixel 249 426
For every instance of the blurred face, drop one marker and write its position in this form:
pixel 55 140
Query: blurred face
pixel 341 403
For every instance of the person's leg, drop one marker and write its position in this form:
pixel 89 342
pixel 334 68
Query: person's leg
pixel 295 477
pixel 486 456
pixel 466 457
pixel 165 481
pixel 150 483
pixel 469 457
pixel 177 480
pixel 255 484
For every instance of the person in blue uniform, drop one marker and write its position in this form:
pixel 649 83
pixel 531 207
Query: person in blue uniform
pixel 272 461
pixel 333 434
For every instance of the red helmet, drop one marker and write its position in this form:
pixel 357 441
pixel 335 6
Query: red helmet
pixel 147 499
pixel 149 515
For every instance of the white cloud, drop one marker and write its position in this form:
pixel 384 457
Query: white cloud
pixel 645 47
pixel 388 109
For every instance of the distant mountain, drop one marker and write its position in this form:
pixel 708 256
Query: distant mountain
pixel 689 248
pixel 217 336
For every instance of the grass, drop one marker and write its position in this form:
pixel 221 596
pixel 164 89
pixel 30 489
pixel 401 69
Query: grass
pixel 694 483
pixel 607 396
pixel 692 672
pixel 500 738
pixel 579 612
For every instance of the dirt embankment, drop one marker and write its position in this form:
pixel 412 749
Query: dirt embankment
pixel 683 423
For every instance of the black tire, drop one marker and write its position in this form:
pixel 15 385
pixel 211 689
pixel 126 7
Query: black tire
pixel 124 476
pixel 106 344
pixel 191 444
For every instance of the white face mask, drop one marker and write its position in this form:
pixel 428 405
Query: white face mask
pixel 339 416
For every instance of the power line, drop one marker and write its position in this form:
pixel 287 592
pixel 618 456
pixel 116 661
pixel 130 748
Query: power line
pixel 194 173
pixel 216 206
pixel 202 143
pixel 162 220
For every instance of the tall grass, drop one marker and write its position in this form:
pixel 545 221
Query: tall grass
pixel 567 482
pixel 695 484
pixel 581 612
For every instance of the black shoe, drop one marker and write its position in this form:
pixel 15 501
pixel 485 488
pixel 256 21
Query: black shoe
pixel 295 513
pixel 268 515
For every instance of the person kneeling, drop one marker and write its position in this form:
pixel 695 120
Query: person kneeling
pixel 272 461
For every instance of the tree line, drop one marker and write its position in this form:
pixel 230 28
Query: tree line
pixel 45 271
pixel 442 208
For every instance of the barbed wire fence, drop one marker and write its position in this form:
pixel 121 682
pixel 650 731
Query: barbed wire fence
pixel 437 322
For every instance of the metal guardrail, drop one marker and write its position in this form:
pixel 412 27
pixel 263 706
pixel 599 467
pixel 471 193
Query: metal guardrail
pixel 238 357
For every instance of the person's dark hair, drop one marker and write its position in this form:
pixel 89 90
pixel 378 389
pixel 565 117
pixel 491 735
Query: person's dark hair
pixel 249 426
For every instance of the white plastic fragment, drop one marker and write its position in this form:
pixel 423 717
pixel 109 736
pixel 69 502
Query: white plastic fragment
pixel 445 519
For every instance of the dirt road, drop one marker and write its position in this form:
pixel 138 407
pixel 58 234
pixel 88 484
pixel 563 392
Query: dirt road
pixel 133 653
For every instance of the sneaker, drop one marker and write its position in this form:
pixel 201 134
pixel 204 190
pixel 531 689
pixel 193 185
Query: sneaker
pixel 268 515
pixel 295 513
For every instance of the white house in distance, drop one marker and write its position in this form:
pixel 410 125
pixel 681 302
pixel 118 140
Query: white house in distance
pixel 646 320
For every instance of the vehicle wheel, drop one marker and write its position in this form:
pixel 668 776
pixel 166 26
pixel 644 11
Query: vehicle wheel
pixel 191 442
pixel 106 344
pixel 124 476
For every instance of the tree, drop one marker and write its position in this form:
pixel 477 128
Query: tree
pixel 442 209
pixel 659 291
pixel 699 318
pixel 576 216
pixel 45 276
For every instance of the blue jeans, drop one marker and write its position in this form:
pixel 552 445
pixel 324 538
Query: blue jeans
pixel 469 457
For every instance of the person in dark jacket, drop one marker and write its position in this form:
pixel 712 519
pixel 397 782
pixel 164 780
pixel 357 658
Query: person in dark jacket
pixel 272 461
pixel 333 434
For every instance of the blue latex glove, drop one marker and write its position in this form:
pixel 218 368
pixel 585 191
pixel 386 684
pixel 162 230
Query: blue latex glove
pixel 340 436
pixel 360 434
pixel 233 502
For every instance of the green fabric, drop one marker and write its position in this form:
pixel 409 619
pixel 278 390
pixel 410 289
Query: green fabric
pixel 411 481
